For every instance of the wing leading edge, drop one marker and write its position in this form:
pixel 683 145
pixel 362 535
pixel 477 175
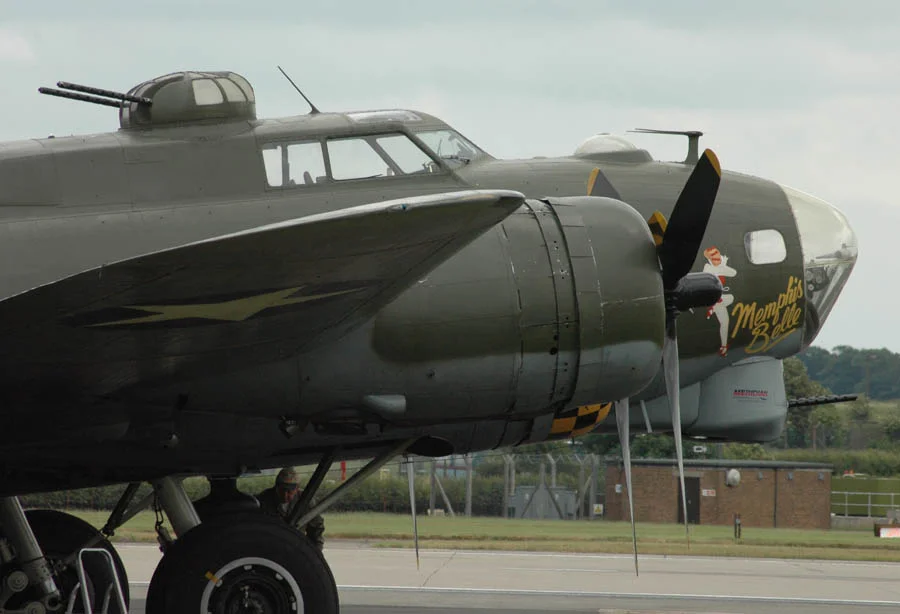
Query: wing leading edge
pixel 233 300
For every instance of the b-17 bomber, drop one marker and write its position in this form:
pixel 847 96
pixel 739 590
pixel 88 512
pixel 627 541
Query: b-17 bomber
pixel 205 293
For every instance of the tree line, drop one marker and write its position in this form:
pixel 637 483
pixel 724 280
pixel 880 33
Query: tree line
pixel 846 370
pixel 862 435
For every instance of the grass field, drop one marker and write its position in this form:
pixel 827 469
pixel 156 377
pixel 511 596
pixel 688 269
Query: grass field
pixel 387 530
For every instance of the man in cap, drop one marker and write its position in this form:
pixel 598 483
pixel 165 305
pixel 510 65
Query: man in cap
pixel 278 501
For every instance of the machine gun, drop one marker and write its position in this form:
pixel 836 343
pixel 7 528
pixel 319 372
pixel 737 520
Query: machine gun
pixel 94 95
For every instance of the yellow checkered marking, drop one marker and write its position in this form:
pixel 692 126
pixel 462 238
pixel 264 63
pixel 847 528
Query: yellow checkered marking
pixel 579 421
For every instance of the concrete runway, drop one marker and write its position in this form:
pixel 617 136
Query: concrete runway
pixel 380 581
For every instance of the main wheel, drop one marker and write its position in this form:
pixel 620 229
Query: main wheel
pixel 242 564
pixel 60 537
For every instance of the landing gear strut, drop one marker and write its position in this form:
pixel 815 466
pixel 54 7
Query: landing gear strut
pixel 39 559
pixel 31 559
pixel 247 562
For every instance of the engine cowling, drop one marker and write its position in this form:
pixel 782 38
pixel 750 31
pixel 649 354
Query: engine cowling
pixel 619 293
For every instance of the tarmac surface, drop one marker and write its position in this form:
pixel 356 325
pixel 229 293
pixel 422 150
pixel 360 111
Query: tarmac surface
pixel 383 581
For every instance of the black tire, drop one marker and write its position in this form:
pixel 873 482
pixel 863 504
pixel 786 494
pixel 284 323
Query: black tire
pixel 61 535
pixel 216 560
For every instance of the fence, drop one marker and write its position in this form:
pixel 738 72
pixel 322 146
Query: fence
pixel 868 504
pixel 484 484
pixel 527 490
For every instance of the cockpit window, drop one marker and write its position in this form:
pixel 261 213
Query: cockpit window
pixel 451 146
pixel 380 155
pixel 355 159
pixel 363 157
pixel 406 154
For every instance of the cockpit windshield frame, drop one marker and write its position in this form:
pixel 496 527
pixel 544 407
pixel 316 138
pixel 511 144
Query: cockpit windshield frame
pixel 394 170
pixel 452 160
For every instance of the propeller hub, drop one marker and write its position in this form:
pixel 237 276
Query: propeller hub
pixel 694 290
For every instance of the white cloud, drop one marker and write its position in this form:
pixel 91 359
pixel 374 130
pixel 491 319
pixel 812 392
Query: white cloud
pixel 14 47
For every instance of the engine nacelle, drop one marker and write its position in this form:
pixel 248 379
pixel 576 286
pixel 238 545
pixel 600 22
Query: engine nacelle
pixel 560 306
pixel 619 293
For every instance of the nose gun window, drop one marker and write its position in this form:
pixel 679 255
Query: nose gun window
pixel 829 254
pixel 765 246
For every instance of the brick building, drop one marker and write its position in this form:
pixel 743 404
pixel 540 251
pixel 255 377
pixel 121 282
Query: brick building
pixel 770 493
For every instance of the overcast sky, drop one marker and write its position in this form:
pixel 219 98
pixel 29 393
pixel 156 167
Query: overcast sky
pixel 806 93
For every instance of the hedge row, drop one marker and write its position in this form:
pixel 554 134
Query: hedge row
pixel 376 493
pixel 380 493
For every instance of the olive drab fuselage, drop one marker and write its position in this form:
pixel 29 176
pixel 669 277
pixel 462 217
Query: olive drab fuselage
pixel 547 313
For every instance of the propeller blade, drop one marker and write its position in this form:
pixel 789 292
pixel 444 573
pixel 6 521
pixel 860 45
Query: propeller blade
pixel 657 223
pixel 670 367
pixel 687 224
pixel 622 423
pixel 410 471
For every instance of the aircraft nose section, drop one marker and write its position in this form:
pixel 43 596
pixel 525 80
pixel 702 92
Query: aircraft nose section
pixel 829 255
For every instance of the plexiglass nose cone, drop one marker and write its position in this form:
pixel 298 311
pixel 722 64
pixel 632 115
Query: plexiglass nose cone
pixel 829 254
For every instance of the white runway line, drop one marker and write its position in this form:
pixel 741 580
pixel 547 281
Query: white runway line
pixel 738 598
pixel 603 595
pixel 630 557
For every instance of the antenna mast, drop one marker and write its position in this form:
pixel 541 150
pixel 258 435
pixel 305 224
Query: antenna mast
pixel 308 101
pixel 693 136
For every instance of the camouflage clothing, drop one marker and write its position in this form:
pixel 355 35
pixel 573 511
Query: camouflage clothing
pixel 271 503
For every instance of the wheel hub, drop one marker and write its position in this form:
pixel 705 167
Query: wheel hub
pixel 251 586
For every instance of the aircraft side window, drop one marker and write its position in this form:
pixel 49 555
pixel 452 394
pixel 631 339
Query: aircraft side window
pixel 355 159
pixel 406 154
pixel 305 162
pixel 765 246
pixel 272 162
pixel 295 164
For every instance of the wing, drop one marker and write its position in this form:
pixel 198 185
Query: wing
pixel 250 297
